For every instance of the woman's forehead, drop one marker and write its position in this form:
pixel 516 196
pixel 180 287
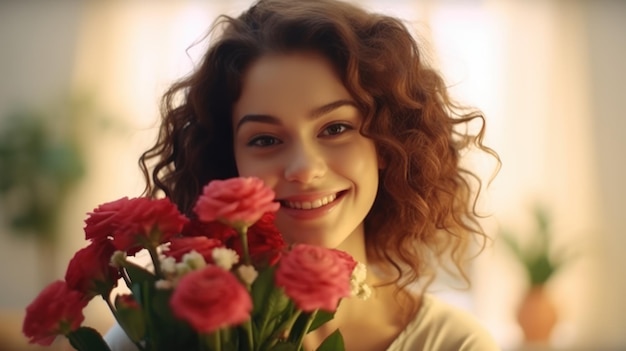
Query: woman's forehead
pixel 288 83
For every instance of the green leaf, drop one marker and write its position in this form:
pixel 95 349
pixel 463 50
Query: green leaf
pixel 540 270
pixel 131 320
pixel 334 342
pixel 87 339
pixel 321 318
pixel 138 274
pixel 297 330
pixel 230 338
pixel 173 333
pixel 271 305
pixel 285 346
pixel 261 290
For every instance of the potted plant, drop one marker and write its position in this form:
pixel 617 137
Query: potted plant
pixel 537 314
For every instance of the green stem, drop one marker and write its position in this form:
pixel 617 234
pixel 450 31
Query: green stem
pixel 208 341
pixel 306 329
pixel 218 341
pixel 287 325
pixel 243 234
pixel 129 284
pixel 248 327
pixel 155 261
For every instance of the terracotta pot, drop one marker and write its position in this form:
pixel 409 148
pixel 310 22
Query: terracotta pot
pixel 537 315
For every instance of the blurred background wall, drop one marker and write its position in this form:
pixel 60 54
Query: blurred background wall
pixel 549 76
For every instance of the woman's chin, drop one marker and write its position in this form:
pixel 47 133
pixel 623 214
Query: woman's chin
pixel 328 243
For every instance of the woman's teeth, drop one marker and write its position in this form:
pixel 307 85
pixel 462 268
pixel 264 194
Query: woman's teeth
pixel 309 205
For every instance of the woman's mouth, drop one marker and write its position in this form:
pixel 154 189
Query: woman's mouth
pixel 311 205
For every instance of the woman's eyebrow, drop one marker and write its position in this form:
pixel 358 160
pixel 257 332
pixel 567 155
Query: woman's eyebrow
pixel 315 113
pixel 328 108
pixel 257 118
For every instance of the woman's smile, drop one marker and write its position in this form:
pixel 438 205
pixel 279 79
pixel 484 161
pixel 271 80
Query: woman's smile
pixel 310 209
pixel 304 203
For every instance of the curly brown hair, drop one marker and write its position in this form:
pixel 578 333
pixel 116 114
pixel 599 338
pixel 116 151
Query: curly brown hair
pixel 425 207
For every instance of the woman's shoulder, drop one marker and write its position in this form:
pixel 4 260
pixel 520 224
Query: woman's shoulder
pixel 439 325
pixel 117 339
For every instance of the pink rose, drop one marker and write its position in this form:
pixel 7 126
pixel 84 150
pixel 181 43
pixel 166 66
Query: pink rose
pixel 57 310
pixel 204 246
pixel 347 260
pixel 235 201
pixel 90 272
pixel 314 277
pixel 210 299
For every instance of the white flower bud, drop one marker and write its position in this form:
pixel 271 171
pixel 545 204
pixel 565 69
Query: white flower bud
pixel 354 288
pixel 365 292
pixel 182 268
pixel 224 257
pixel 359 273
pixel 118 259
pixel 247 273
pixel 163 284
pixel 168 265
pixel 194 260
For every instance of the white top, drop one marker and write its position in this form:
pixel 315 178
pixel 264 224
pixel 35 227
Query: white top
pixel 437 326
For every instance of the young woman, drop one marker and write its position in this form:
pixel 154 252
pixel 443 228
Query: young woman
pixel 334 109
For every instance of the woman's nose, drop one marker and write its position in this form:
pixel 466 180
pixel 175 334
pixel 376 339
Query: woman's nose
pixel 305 164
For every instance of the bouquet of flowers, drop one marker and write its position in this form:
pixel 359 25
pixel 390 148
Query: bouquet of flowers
pixel 224 280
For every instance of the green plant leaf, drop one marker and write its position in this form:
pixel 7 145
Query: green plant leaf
pixel 538 258
pixel 285 346
pixel 334 342
pixel 321 318
pixel 138 274
pixel 540 270
pixel 261 289
pixel 271 305
pixel 87 339
pixel 173 334
pixel 131 320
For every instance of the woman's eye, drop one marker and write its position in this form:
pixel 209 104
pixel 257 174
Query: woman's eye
pixel 336 129
pixel 263 141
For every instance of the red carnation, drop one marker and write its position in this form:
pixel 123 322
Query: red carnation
pixel 264 241
pixel 204 246
pixel 212 230
pixel 133 223
pixel 235 201
pixel 126 301
pixel 144 221
pixel 56 310
pixel 314 277
pixel 101 223
pixel 90 271
pixel 210 299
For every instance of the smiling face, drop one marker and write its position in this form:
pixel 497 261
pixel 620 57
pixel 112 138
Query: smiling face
pixel 297 128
